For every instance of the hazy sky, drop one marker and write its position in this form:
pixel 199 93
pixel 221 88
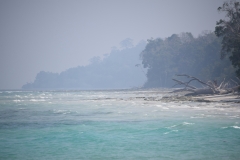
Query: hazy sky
pixel 54 35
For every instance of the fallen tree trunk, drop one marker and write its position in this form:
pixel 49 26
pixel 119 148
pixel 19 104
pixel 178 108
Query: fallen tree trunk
pixel 230 90
pixel 201 91
pixel 211 87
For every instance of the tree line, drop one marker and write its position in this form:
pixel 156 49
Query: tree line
pixel 199 57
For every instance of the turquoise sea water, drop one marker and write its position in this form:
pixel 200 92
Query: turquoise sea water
pixel 115 125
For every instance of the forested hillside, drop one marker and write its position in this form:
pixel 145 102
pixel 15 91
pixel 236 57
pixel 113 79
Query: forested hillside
pixel 161 58
pixel 184 54
pixel 118 70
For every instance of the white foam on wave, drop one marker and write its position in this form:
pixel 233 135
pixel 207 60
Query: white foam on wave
pixel 37 100
pixel 170 131
pixel 165 108
pixel 21 108
pixel 195 107
pixel 185 106
pixel 182 124
pixel 162 107
pixel 61 111
pixel 236 127
pixel 186 123
pixel 233 117
pixel 17 100
pixel 8 91
pixel 198 116
pixel 172 126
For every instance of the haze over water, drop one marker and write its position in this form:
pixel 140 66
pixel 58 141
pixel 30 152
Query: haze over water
pixel 116 124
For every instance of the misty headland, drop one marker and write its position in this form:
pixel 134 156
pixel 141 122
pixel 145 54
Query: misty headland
pixel 151 64
pixel 120 69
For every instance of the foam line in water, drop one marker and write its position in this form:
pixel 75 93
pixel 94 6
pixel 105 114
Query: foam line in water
pixel 37 100
pixel 170 131
pixel 172 126
pixel 17 100
pixel 186 123
pixel 236 127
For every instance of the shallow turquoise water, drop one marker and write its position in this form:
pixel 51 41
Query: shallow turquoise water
pixel 115 125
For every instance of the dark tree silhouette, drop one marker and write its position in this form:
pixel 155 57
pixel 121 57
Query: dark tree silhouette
pixel 229 30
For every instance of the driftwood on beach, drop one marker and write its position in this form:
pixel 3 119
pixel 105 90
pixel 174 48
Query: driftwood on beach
pixel 210 87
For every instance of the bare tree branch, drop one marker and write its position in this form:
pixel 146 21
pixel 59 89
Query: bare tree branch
pixel 180 82
pixel 213 87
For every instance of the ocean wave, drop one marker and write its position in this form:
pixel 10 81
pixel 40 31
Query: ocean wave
pixel 235 127
pixel 170 131
pixel 201 116
pixel 172 126
pixel 37 100
pixel 180 125
pixel 162 107
pixel 186 123
pixel 62 111
pixel 234 117
pixel 165 108
pixel 17 100
pixel 196 117
pixel 21 108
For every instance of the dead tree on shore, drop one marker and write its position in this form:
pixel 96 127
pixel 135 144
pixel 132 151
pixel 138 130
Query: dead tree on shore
pixel 210 87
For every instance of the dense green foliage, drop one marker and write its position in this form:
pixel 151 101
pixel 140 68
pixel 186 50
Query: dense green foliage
pixel 116 71
pixel 229 30
pixel 184 54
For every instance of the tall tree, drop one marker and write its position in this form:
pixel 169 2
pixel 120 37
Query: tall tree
pixel 229 30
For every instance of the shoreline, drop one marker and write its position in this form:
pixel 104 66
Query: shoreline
pixel 226 98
